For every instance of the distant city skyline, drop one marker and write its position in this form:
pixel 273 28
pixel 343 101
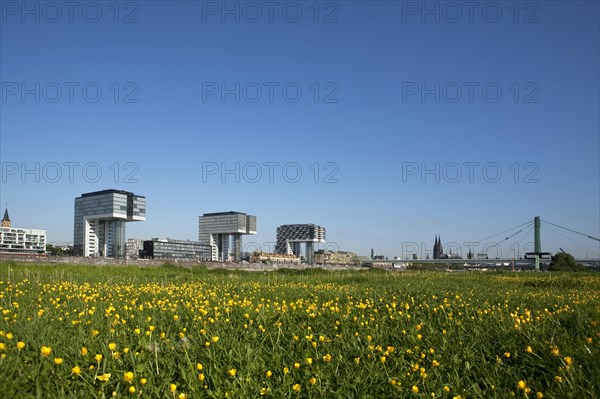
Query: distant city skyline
pixel 496 245
pixel 386 122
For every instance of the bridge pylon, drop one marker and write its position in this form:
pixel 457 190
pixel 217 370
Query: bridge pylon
pixel 537 244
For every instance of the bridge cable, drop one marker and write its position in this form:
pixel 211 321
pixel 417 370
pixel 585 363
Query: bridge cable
pixel 573 231
pixel 574 242
pixel 505 231
pixel 525 235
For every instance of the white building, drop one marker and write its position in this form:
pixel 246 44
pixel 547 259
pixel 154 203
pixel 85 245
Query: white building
pixel 17 240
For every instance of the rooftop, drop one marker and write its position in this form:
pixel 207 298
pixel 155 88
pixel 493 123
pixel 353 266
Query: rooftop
pixel 110 191
pixel 224 213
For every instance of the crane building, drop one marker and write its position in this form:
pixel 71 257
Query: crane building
pixel 223 231
pixel 100 217
pixel 290 238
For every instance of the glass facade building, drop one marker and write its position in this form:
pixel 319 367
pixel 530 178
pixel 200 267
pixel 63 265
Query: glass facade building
pixel 175 249
pixel 99 222
pixel 223 231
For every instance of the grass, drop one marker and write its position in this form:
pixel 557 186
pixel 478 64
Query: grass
pixel 171 332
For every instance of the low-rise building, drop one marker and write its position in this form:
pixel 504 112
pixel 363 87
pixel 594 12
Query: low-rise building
pixel 323 257
pixel 133 246
pixel 16 240
pixel 167 248
pixel 22 241
pixel 265 257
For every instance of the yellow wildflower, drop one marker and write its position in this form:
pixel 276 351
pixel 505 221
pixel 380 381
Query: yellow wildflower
pixel 46 350
pixel 128 376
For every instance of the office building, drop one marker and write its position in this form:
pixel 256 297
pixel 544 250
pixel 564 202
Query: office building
pixel 167 248
pixel 99 223
pixel 223 231
pixel 17 240
pixel 290 237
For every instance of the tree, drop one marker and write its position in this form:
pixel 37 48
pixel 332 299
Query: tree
pixel 470 255
pixel 565 262
pixel 58 250
pixel 415 257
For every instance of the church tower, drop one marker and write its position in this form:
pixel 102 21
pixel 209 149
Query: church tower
pixel 6 220
pixel 438 251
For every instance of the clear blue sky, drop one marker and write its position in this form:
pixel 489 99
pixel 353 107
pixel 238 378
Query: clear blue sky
pixel 387 90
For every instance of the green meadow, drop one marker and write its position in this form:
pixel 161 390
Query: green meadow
pixel 70 331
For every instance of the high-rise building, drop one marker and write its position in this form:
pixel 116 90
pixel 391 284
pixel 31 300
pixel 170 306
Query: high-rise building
pixel 223 231
pixel 100 217
pixel 17 240
pixel 290 237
